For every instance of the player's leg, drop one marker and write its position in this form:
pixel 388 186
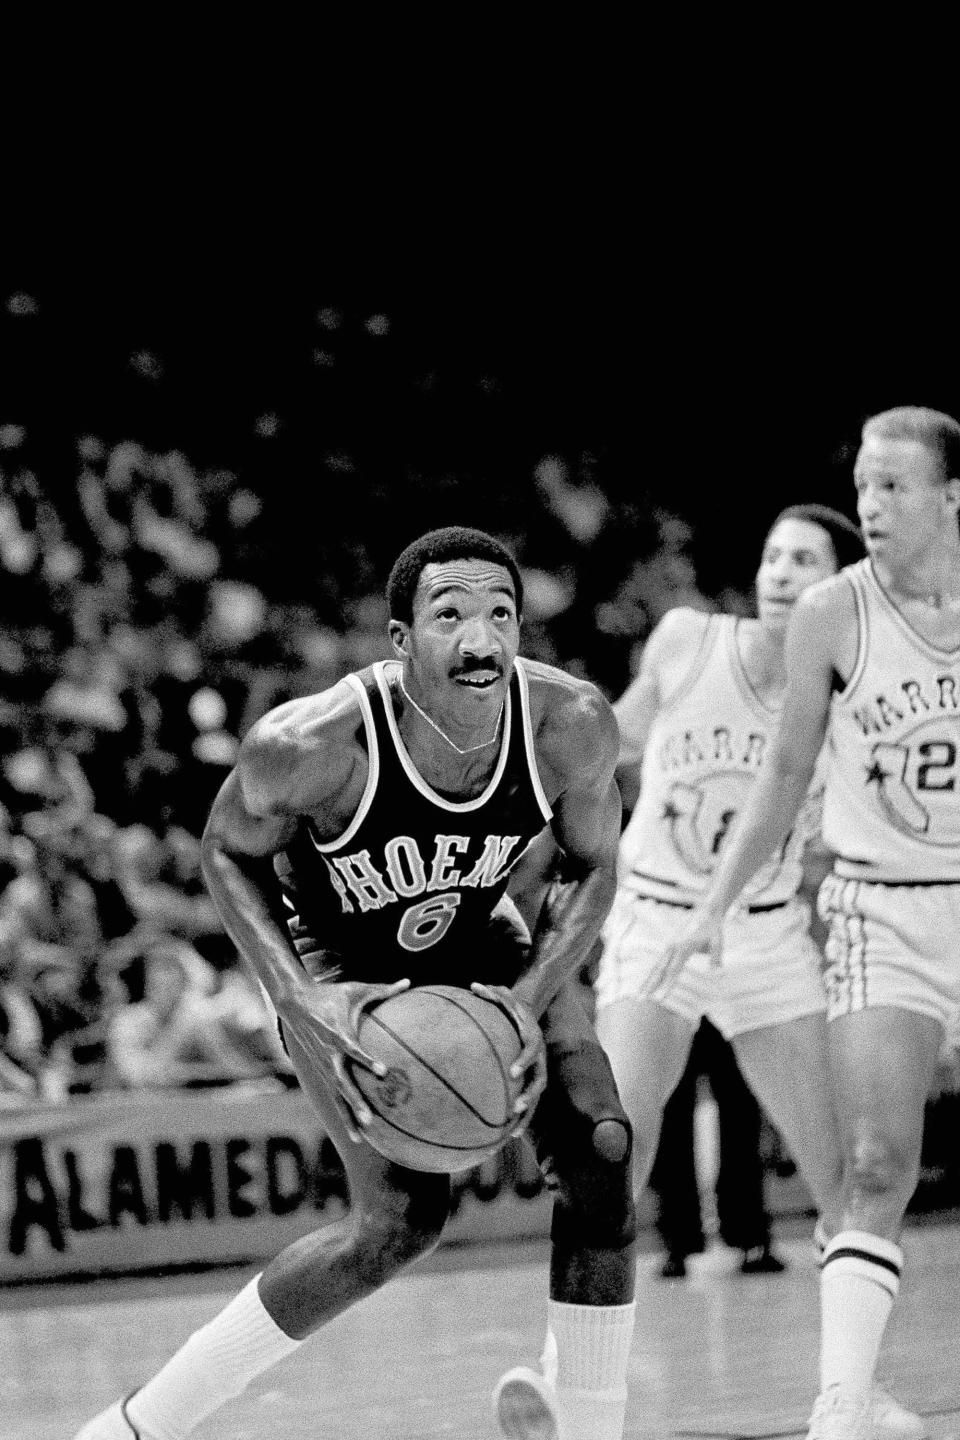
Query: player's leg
pixel 770 1003
pixel 647 1041
pixel 771 979
pixel 892 984
pixel 673 1176
pixel 883 1061
pixel 394 1216
pixel 744 1221
pixel 647 1045
pixel 787 1067
pixel 583 1138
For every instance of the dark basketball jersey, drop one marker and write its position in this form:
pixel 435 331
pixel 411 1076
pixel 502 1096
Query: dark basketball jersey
pixel 408 889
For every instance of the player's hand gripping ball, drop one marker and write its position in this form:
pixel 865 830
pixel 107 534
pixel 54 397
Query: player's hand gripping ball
pixel 446 1102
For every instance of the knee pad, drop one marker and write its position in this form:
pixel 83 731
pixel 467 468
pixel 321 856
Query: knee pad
pixel 594 1208
pixel 613 1140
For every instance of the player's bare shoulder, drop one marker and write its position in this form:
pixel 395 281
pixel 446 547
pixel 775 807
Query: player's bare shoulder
pixel 832 597
pixel 824 626
pixel 680 626
pixel 575 731
pixel 676 638
pixel 666 660
pixel 307 756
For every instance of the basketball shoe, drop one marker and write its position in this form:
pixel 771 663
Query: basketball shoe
pixel 524 1404
pixel 892 1421
pixel 525 1408
pixel 839 1414
pixel 112 1424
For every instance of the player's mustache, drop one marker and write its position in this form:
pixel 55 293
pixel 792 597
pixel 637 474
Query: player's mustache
pixel 472 667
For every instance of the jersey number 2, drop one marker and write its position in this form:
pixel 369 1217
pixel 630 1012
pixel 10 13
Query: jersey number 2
pixel 935 772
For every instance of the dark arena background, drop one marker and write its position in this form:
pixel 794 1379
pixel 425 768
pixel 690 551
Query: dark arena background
pixel 202 487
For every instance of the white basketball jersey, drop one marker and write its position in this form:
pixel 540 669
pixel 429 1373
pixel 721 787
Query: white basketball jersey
pixel 702 755
pixel 892 804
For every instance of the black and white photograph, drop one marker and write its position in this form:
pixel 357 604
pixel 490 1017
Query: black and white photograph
pixel 479 842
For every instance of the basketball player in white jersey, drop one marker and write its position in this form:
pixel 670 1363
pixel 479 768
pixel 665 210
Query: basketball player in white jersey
pixel 697 722
pixel 873 662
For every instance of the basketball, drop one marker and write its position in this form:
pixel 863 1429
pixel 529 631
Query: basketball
pixel 446 1101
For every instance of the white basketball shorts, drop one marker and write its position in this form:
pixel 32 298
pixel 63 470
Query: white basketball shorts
pixel 891 945
pixel 770 971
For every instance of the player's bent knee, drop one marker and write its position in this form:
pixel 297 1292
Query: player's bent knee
pixel 612 1140
pixel 408 1223
pixel 428 1210
pixel 595 1207
pixel 878 1165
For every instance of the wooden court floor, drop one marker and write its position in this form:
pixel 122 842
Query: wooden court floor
pixel 716 1355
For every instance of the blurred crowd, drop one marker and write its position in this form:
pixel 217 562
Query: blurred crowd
pixel 152 610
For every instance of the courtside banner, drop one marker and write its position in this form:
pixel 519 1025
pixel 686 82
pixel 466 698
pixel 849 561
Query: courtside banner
pixel 137 1181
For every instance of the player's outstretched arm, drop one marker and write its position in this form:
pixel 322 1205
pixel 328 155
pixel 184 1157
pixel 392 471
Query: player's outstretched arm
pixel 673 641
pixel 293 762
pixel 580 746
pixel 782 783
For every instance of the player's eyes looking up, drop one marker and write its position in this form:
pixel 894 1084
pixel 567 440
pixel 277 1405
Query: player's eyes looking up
pixel 452 612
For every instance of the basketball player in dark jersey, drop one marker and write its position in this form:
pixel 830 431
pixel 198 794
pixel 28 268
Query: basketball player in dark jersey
pixel 363 843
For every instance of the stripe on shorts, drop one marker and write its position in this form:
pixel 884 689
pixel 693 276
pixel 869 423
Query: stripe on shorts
pixel 851 971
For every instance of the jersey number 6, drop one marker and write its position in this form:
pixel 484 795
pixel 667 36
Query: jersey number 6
pixel 424 924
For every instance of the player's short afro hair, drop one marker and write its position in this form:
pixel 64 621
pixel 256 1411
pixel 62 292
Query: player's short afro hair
pixel 844 535
pixel 453 542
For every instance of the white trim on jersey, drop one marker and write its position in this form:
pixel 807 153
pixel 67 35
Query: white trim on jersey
pixel 935 652
pixel 854 576
pixel 885 824
pixel 702 755
pixel 707 641
pixel 413 774
pixel 546 809
pixel 769 714
pixel 373 771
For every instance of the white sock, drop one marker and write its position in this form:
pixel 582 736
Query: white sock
pixel 858 1285
pixel 592 1348
pixel 213 1366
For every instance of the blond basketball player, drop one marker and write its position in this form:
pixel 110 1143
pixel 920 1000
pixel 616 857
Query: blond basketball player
pixel 698 720
pixel 873 663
